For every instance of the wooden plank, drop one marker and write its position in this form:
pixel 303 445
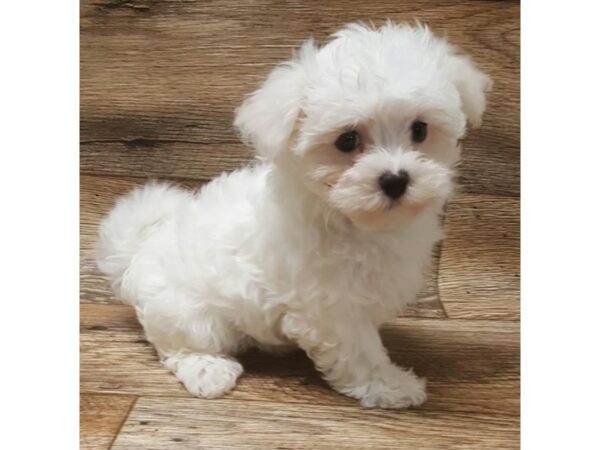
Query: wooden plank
pixel 472 366
pixel 479 269
pixel 98 195
pixel 160 80
pixel 101 417
pixel 158 424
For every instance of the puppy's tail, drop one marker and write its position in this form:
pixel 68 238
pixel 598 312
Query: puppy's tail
pixel 135 217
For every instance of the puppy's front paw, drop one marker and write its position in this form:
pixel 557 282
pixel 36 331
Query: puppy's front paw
pixel 395 388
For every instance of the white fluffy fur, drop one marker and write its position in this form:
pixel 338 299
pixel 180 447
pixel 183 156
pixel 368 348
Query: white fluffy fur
pixel 303 249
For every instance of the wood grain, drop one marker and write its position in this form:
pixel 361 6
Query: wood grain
pixel 98 196
pixel 101 417
pixel 479 269
pixel 160 80
pixel 471 366
pixel 227 424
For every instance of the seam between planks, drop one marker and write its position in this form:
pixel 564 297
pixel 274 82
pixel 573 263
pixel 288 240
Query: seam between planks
pixel 349 407
pixel 133 403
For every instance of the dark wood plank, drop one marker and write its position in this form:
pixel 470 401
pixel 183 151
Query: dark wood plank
pixel 98 195
pixel 479 270
pixel 101 417
pixel 225 424
pixel 160 80
pixel 472 366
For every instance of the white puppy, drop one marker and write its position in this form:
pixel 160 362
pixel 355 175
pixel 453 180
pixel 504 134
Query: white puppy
pixel 326 238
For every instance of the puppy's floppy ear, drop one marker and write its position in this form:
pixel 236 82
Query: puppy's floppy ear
pixel 266 119
pixel 472 86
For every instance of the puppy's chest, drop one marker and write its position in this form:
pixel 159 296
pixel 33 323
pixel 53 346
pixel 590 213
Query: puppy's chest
pixel 374 275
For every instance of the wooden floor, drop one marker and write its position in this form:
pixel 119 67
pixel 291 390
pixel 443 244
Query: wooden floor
pixel 159 83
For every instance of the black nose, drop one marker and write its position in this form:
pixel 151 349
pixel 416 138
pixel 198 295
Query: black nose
pixel 394 185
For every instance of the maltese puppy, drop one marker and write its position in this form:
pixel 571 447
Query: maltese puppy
pixel 323 239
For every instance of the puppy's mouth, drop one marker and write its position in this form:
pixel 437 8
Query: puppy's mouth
pixel 415 207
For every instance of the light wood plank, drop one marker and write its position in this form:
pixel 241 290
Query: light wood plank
pixel 479 270
pixel 101 417
pixel 471 366
pixel 160 81
pixel 227 424
pixel 97 197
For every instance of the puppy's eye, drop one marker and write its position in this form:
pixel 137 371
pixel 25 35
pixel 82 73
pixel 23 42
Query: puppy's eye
pixel 348 142
pixel 418 131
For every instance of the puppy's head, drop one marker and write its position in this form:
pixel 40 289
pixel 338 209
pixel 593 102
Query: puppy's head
pixel 370 122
